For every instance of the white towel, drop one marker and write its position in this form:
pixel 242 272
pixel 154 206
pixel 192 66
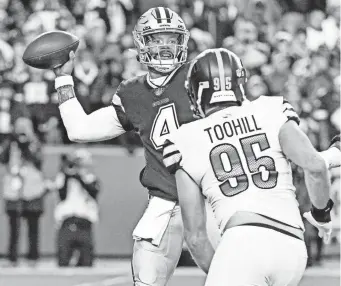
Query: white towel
pixel 154 221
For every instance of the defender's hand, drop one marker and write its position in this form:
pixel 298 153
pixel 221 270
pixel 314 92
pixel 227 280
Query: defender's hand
pixel 324 228
pixel 67 68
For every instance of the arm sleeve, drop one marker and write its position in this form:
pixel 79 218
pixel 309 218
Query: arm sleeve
pixel 289 112
pixel 172 157
pixel 103 124
pixel 120 112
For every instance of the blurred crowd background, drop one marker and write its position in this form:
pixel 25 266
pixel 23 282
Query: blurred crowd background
pixel 289 48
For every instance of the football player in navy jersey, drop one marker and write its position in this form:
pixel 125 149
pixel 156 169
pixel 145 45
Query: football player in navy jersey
pixel 153 105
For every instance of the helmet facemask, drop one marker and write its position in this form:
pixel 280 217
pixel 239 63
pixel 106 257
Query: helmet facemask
pixel 160 53
pixel 163 57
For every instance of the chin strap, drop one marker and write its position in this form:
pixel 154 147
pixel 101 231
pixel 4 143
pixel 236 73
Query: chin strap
pixel 165 72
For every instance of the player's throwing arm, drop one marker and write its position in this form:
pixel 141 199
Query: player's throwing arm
pixel 58 55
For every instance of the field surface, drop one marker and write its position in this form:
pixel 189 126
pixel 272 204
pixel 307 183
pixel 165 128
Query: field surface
pixel 117 273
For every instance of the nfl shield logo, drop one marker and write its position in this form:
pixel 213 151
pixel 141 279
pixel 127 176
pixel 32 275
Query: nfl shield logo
pixel 240 73
pixel 158 91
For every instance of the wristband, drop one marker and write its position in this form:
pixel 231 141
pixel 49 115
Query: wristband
pixel 322 215
pixel 63 81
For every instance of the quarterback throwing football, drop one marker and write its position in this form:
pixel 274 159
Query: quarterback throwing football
pixel 153 105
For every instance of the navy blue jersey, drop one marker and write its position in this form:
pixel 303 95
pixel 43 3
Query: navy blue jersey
pixel 154 112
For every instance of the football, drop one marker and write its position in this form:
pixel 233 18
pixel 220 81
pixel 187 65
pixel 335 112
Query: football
pixel 50 50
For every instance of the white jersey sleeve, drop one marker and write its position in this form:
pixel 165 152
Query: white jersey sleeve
pixel 171 156
pixel 273 112
pixel 180 152
pixel 276 109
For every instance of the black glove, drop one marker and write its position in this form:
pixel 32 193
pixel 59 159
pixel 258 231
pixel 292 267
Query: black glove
pixel 320 218
pixel 322 215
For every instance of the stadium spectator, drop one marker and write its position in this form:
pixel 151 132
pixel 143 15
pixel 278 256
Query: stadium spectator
pixel 263 14
pixel 77 209
pixel 278 73
pixel 203 39
pixel 255 87
pixel 23 186
pixel 38 96
pixel 6 94
pixel 245 44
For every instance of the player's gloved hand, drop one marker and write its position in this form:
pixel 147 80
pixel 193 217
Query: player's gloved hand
pixel 320 218
pixel 335 142
pixel 67 68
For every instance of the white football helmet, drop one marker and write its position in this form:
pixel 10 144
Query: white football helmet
pixel 160 20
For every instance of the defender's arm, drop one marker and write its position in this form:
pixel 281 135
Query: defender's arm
pixel 100 125
pixel 298 148
pixel 193 213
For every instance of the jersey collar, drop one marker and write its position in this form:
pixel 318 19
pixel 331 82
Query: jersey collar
pixel 165 82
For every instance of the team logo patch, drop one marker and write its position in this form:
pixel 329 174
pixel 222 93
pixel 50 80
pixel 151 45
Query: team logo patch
pixel 159 91
pixel 159 102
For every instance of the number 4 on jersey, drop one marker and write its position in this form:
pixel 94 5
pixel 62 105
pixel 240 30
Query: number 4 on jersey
pixel 164 124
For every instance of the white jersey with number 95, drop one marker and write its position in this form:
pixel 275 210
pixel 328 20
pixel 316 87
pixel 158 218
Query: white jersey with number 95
pixel 235 156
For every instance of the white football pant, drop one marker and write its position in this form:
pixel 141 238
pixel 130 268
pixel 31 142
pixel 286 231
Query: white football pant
pixel 154 265
pixel 257 256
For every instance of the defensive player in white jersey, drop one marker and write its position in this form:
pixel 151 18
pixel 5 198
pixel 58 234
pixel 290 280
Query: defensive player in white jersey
pixel 237 157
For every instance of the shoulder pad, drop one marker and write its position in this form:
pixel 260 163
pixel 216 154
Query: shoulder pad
pixel 186 66
pixel 281 104
pixel 133 80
